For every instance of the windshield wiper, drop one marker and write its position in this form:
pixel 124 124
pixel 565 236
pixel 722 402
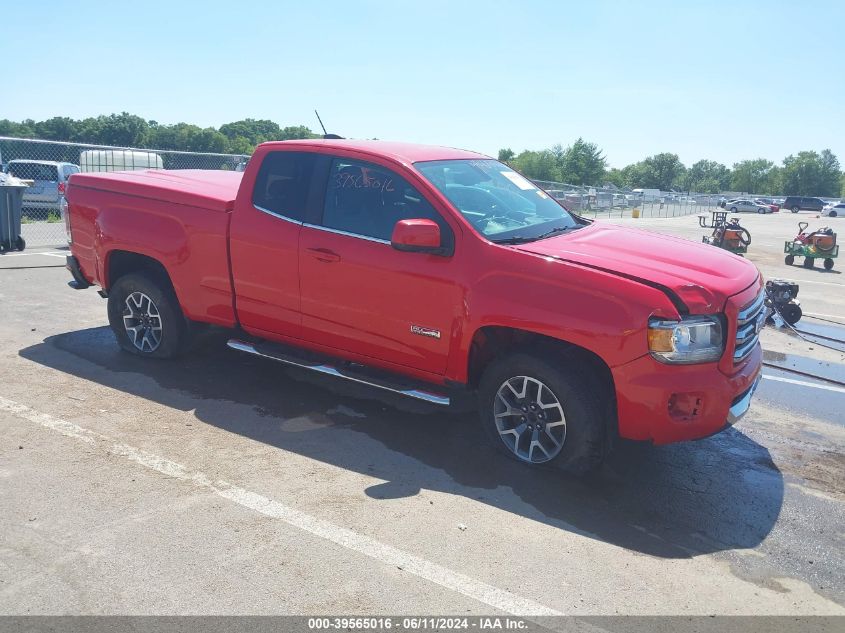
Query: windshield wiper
pixel 555 231
pixel 514 240
pixel 524 239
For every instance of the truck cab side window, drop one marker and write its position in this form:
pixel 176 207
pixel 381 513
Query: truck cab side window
pixel 369 200
pixel 283 183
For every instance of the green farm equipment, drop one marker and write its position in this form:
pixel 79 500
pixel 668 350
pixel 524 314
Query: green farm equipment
pixel 820 244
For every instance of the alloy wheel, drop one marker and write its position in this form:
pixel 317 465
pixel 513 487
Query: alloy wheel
pixel 142 322
pixel 529 419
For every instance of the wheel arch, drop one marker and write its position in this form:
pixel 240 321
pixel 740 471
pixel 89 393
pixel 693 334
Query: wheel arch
pixel 119 263
pixel 492 341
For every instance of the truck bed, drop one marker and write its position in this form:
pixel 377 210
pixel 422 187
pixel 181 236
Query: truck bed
pixel 177 218
pixel 209 189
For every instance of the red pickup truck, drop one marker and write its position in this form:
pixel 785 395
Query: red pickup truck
pixel 430 271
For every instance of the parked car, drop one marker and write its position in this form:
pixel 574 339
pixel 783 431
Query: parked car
pixel 743 205
pixel 571 200
pixel 769 203
pixel 803 203
pixel 833 210
pixel 50 182
pixel 430 272
pixel 648 195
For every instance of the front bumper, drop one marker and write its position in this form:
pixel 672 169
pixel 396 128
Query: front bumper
pixel 646 390
pixel 742 403
pixel 40 205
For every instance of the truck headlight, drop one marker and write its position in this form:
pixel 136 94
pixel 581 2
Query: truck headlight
pixel 693 339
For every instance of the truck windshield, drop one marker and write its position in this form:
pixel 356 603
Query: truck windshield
pixel 500 203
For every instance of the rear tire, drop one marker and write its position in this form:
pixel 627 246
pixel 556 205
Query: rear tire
pixel 733 210
pixel 833 214
pixel 795 209
pixel 20 243
pixel 809 262
pixel 828 263
pixel 557 414
pixel 789 260
pixel 145 316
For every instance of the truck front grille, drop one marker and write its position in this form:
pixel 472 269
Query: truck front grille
pixel 748 328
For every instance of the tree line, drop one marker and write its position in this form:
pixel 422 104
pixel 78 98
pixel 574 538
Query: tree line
pixel 582 163
pixel 806 173
pixel 129 130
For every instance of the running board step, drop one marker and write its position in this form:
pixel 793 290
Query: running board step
pixel 351 371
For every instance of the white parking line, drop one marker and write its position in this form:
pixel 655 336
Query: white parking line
pixel 809 281
pixel 829 316
pixel 437 574
pixel 804 383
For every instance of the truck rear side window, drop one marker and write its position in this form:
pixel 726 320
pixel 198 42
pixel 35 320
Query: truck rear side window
pixel 283 183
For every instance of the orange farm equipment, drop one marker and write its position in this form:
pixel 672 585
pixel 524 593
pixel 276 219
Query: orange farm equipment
pixel 730 236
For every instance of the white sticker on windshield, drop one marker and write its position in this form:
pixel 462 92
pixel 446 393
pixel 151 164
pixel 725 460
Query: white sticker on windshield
pixel 519 181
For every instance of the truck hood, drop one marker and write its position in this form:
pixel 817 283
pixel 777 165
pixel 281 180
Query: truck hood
pixel 700 275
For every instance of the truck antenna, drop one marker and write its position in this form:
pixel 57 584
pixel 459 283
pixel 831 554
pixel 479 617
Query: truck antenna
pixel 325 134
pixel 321 123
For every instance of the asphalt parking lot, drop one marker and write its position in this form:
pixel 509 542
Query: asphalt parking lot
pixel 224 484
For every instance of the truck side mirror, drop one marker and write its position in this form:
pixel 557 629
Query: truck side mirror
pixel 416 236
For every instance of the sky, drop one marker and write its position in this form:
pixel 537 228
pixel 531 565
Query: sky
pixel 724 81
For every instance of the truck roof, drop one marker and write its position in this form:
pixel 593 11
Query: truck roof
pixel 403 152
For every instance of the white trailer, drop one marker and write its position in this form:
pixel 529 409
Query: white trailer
pixel 118 160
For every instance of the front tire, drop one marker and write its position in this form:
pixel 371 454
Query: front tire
pixel 20 243
pixel 832 214
pixel 789 260
pixel 145 316
pixel 540 413
pixel 733 210
pixel 828 263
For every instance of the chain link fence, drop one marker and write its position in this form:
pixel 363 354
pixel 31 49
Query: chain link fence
pixel 49 164
pixel 599 202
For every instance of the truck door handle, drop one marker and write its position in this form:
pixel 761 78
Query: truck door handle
pixel 324 255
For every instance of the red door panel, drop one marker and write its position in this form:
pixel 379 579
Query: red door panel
pixel 264 240
pixel 265 267
pixel 363 296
